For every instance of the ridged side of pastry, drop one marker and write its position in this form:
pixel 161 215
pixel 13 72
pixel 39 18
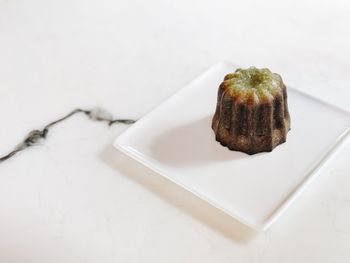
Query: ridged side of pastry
pixel 251 124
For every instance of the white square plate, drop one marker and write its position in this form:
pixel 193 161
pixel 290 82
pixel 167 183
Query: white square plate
pixel 176 140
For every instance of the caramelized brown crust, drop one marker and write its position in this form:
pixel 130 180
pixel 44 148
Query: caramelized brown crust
pixel 250 126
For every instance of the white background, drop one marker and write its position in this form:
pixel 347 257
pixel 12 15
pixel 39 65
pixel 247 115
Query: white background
pixel 75 199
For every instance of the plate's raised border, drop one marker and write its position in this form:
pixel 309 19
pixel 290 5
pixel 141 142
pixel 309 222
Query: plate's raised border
pixel 309 177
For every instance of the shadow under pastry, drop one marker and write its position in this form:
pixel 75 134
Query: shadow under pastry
pixel 191 144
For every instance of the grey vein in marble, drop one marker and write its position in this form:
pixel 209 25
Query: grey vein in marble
pixel 34 137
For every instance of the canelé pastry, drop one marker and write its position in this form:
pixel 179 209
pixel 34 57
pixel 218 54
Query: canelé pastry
pixel 252 113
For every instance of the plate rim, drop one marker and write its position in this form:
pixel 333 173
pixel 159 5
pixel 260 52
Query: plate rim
pixel 314 170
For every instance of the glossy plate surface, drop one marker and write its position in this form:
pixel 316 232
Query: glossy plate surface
pixel 176 140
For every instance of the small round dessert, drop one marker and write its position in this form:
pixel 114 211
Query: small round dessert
pixel 252 113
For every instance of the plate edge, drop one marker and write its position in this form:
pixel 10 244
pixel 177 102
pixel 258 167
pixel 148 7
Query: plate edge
pixel 178 92
pixel 310 177
pixel 275 214
pixel 134 155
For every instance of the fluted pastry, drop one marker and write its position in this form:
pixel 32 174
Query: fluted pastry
pixel 252 112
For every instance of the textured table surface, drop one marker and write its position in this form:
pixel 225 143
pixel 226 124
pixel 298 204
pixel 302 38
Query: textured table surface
pixel 76 199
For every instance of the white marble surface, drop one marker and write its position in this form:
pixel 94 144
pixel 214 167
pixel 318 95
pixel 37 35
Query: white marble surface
pixel 76 199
